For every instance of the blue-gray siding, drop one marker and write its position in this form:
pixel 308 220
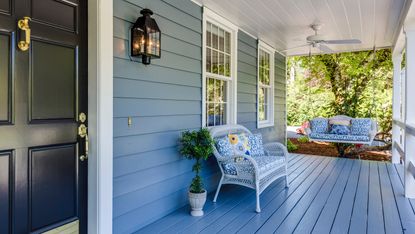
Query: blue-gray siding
pixel 164 99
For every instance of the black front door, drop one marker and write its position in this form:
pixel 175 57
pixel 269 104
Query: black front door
pixel 43 91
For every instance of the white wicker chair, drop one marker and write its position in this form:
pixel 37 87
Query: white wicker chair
pixel 248 172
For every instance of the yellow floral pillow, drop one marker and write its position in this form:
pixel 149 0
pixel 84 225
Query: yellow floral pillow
pixel 240 144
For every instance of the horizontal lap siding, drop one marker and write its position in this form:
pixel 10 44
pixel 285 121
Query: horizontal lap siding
pixel 247 81
pixel 163 99
pixel 247 90
pixel 280 97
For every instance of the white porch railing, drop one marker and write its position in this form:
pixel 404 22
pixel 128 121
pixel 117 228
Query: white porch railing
pixel 399 143
pixel 403 132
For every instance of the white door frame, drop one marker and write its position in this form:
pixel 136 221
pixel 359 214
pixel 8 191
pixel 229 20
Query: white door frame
pixel 100 115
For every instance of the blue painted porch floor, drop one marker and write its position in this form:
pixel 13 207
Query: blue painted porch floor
pixel 326 195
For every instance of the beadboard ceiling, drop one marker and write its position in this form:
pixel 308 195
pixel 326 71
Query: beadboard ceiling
pixel 285 23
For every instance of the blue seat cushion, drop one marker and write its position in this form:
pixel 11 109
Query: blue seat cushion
pixel 349 138
pixel 229 169
pixel 339 129
pixel 265 163
pixel 361 126
pixel 319 125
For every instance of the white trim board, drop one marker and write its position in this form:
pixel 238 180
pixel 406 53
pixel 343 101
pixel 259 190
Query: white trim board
pixel 100 112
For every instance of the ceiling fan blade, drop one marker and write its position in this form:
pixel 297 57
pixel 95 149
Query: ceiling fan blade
pixel 346 41
pixel 296 47
pixel 325 49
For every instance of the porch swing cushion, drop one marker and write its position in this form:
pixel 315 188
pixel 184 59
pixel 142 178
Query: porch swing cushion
pixel 319 125
pixel 361 126
pixel 361 130
pixel 349 138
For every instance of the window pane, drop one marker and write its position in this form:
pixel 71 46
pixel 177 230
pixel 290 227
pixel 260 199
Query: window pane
pixel 215 36
pixel 216 96
pixel 264 67
pixel 261 75
pixel 261 98
pixel 227 42
pixel 263 101
pixel 208 60
pixel 218 118
pixel 227 69
pixel 221 40
pixel 221 63
pixel 215 62
pixel 210 113
pixel 208 34
pixel 266 77
pixel 266 96
pixel 261 112
pixel 223 113
pixel 220 91
pixel 210 92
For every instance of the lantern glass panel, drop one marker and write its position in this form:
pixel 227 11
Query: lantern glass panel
pixel 153 44
pixel 138 41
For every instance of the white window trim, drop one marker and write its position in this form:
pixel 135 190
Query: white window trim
pixel 209 15
pixel 270 120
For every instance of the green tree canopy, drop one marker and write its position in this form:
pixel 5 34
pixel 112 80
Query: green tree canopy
pixel 357 84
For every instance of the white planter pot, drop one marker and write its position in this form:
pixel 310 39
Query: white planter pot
pixel 197 201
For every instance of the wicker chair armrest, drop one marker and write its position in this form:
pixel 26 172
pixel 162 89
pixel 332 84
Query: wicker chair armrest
pixel 274 147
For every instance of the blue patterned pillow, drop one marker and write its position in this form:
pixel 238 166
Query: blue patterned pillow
pixel 361 127
pixel 255 142
pixel 339 129
pixel 224 147
pixel 319 125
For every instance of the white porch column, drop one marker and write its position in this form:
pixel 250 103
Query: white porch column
pixel 410 110
pixel 396 104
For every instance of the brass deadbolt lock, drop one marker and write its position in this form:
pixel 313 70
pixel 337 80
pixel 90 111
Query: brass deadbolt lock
pixel 82 131
pixel 82 117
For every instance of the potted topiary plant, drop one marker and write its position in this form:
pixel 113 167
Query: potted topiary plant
pixel 196 145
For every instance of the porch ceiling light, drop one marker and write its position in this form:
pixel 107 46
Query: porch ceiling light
pixel 145 37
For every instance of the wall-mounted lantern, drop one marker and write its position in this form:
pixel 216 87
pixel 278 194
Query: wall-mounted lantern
pixel 145 37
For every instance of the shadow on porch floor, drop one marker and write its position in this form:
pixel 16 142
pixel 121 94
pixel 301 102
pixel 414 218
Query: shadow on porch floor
pixel 326 195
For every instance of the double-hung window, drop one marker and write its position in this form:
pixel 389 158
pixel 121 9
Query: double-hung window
pixel 219 75
pixel 265 86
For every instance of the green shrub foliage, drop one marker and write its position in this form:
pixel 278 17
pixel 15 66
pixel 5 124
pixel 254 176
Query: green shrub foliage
pixel 357 84
pixel 291 146
pixel 196 145
pixel 303 139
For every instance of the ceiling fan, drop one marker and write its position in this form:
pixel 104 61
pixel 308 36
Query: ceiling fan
pixel 319 41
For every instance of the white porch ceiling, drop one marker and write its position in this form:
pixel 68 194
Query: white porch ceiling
pixel 285 23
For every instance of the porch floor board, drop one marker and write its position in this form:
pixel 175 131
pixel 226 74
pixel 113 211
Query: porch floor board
pixel 326 195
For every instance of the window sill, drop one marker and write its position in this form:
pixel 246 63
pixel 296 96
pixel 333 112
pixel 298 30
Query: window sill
pixel 265 124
